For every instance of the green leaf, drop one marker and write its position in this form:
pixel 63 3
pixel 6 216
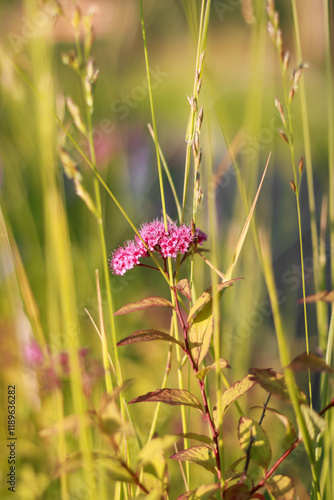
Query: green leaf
pixel 170 396
pixel 200 333
pixel 201 374
pixel 183 287
pixel 249 432
pixel 153 448
pixel 206 297
pixel 274 383
pixel 200 455
pixel 290 432
pixel 310 362
pixel 144 304
pixel 237 492
pixel 204 492
pixel 314 423
pixel 234 392
pixel 232 472
pixel 244 231
pixel 147 336
pixel 281 487
pixel 109 416
pixel 197 437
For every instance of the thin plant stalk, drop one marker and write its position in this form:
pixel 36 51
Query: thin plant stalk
pixel 216 324
pixel 201 44
pixel 162 195
pixel 330 110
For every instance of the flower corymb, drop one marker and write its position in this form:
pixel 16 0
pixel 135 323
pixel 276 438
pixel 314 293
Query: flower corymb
pixel 176 240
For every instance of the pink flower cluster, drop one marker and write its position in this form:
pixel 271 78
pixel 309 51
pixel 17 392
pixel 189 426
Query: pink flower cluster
pixel 177 239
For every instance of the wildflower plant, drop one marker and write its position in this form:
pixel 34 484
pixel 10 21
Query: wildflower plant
pixel 106 451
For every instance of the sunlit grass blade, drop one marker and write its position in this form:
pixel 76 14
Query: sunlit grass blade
pixel 244 231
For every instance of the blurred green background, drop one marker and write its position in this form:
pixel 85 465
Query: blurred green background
pixel 240 81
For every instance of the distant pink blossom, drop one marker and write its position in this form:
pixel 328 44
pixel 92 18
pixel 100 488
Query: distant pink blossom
pixel 33 354
pixel 153 235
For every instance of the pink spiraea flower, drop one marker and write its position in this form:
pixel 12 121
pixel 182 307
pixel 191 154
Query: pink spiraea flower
pixel 168 243
pixel 125 258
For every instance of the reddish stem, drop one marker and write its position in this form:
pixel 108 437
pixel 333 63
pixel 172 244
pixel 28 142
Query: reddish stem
pixel 276 465
pixel 207 414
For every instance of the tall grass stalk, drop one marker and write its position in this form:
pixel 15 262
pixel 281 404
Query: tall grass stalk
pixel 285 361
pixel 59 280
pixel 213 226
pixel 320 307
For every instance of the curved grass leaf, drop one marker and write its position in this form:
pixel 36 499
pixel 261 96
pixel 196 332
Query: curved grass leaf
pixel 310 362
pixel 200 455
pixel 204 492
pixel 314 422
pixel 170 396
pixel 183 287
pixel 147 336
pixel 244 231
pixel 274 383
pixel 201 374
pixel 250 433
pixel 144 304
pixel 281 487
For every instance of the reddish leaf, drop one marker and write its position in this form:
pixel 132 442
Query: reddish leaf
pixel 144 304
pixel 274 383
pixel 171 397
pixel 324 296
pixel 200 455
pixel 147 336
pixel 237 492
pixel 310 362
pixel 183 287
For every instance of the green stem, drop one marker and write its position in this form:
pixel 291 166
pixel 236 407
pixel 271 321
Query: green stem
pixel 285 361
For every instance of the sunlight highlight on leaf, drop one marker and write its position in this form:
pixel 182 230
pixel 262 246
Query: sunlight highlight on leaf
pixel 200 455
pixel 281 487
pixel 173 397
pixel 144 304
pixel 250 433
pixel 147 336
